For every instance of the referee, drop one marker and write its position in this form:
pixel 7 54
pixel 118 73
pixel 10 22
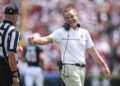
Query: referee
pixel 9 38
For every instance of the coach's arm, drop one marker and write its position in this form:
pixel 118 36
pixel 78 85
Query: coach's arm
pixel 41 40
pixel 99 60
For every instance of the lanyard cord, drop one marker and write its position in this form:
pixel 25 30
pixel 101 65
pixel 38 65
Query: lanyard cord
pixel 66 46
pixel 65 76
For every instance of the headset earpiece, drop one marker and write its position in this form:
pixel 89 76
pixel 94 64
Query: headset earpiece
pixel 66 26
pixel 78 25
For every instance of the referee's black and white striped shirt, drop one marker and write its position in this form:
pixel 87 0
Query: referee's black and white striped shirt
pixel 9 38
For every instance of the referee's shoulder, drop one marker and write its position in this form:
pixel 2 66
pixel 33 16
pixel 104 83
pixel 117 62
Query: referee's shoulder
pixel 12 27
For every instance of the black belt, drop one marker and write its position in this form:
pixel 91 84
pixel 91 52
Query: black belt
pixel 77 64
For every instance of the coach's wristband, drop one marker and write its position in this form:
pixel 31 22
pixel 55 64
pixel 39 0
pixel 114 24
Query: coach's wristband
pixel 15 76
pixel 14 72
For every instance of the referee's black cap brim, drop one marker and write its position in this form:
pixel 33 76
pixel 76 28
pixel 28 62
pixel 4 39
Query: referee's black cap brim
pixel 11 10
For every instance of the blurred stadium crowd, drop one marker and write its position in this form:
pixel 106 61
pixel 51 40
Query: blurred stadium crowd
pixel 100 17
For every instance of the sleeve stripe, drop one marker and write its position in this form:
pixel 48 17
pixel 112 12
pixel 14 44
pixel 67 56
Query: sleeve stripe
pixel 6 37
pixel 17 40
pixel 14 40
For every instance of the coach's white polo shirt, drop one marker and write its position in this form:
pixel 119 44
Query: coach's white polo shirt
pixel 73 44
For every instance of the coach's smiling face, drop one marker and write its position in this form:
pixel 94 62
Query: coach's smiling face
pixel 71 18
